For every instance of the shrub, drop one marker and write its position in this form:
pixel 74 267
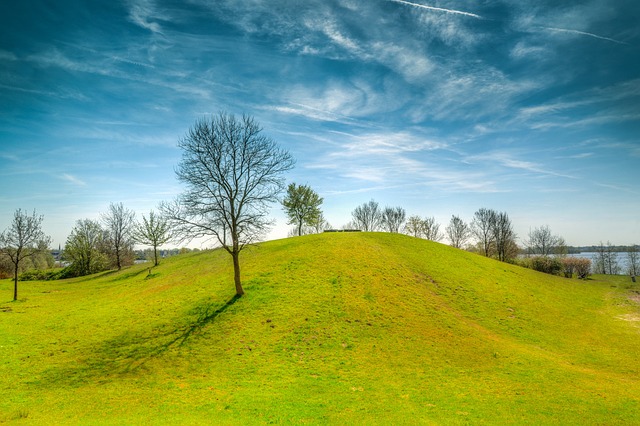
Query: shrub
pixel 548 265
pixel 581 267
pixel 40 275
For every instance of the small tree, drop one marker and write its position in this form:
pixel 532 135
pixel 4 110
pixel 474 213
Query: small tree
pixel 426 228
pixel 633 260
pixel 232 173
pixel 392 219
pixel 542 242
pixel 302 206
pixel 457 231
pixel 367 216
pixel 482 229
pixel 606 259
pixel 153 232
pixel 23 239
pixel 85 248
pixel 414 226
pixel 504 237
pixel 431 229
pixel 119 223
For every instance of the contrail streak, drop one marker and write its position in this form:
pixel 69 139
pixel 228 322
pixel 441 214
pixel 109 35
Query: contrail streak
pixel 562 30
pixel 438 9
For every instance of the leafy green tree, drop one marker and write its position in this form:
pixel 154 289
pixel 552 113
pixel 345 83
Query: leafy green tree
pixel 23 239
pixel 153 231
pixel 302 206
pixel 85 248
pixel 232 173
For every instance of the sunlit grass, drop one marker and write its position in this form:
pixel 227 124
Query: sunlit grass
pixel 338 328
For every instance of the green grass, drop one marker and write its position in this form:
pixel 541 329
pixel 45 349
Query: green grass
pixel 334 328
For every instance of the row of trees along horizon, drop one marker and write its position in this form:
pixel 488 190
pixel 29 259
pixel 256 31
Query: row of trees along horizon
pixel 233 174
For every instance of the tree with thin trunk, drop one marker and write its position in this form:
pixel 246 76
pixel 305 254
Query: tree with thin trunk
pixel 392 219
pixel 414 226
pixel 481 228
pixel 232 173
pixel 633 260
pixel 457 231
pixel 504 237
pixel 367 216
pixel 431 229
pixel 24 238
pixel 153 231
pixel 85 248
pixel 542 242
pixel 302 206
pixel 119 223
pixel 426 228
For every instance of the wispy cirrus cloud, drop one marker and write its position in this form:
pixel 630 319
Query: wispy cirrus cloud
pixel 584 33
pixel 437 9
pixel 73 179
pixel 143 13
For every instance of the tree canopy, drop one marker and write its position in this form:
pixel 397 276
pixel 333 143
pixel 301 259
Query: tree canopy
pixel 232 173
pixel 302 206
pixel 24 238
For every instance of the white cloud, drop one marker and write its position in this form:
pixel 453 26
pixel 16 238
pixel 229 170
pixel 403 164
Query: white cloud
pixel 72 179
pixel 438 9
pixel 576 32
pixel 143 14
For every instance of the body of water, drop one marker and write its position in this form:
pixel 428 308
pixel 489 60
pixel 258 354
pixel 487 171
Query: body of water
pixel 621 259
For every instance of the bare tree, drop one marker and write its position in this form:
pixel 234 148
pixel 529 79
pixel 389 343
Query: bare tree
pixel 392 219
pixel 457 231
pixel 302 206
pixel 154 232
pixel 414 226
pixel 504 237
pixel 367 216
pixel 119 224
pixel 24 238
pixel 542 242
pixel 612 265
pixel 481 228
pixel 600 260
pixel 321 224
pixel 426 228
pixel 633 260
pixel 233 174
pixel 431 229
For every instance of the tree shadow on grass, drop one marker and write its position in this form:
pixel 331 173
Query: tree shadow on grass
pixel 128 354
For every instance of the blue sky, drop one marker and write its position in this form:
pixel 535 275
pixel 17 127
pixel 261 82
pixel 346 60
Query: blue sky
pixel 442 107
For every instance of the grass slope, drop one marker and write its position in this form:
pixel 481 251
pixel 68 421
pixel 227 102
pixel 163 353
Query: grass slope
pixel 334 328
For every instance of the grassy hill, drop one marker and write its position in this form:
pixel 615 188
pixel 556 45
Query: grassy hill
pixel 334 328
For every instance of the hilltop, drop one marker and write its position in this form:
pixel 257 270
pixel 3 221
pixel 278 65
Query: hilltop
pixel 334 328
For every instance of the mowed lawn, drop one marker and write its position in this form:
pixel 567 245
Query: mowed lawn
pixel 362 328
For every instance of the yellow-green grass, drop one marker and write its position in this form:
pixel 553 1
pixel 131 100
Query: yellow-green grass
pixel 364 328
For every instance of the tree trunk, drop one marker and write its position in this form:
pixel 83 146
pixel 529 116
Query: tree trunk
pixel 300 229
pixel 155 255
pixel 236 273
pixel 15 284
